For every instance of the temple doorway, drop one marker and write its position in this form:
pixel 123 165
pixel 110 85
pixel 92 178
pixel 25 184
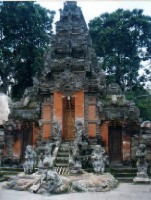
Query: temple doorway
pixel 68 118
pixel 115 142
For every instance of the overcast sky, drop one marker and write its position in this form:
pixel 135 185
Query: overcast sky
pixel 94 8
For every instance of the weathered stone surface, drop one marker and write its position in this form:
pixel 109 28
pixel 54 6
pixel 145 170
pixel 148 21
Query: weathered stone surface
pixel 94 182
pixel 52 183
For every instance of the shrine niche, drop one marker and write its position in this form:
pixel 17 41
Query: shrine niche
pixel 71 88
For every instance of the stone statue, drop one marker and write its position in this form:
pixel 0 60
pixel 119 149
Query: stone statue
pixel 40 161
pixel 56 132
pixel 48 160
pixel 99 159
pixel 141 164
pixel 30 156
pixel 78 133
pixel 100 106
pixel 75 164
pixel 39 137
pixel 1 151
pixel 51 182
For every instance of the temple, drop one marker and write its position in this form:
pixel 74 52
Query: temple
pixel 72 88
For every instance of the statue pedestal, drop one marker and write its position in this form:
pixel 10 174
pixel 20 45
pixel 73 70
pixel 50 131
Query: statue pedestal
pixel 141 178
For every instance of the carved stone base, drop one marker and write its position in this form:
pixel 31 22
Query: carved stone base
pixel 141 178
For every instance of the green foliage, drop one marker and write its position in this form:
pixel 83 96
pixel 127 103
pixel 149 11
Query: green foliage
pixel 142 99
pixel 25 32
pixel 122 41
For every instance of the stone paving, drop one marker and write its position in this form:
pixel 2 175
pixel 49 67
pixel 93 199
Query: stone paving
pixel 125 191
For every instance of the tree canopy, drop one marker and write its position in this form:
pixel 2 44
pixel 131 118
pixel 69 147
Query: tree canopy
pixel 25 32
pixel 122 40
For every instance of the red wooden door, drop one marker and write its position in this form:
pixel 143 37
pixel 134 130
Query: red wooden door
pixel 68 118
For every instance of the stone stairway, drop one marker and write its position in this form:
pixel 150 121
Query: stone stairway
pixel 6 172
pixel 123 174
pixel 62 159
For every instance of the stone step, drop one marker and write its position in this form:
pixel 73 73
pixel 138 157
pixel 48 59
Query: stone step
pixel 61 164
pixel 123 170
pixel 124 174
pixel 60 159
pixel 125 179
pixel 63 154
pixel 17 169
pixel 64 149
pixel 65 144
pixel 7 173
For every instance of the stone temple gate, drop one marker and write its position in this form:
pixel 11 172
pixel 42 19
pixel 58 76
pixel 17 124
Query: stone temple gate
pixel 72 88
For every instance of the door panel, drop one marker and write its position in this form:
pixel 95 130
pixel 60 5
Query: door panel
pixel 68 118
pixel 115 144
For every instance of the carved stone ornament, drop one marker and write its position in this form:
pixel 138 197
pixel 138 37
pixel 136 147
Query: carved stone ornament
pixel 68 82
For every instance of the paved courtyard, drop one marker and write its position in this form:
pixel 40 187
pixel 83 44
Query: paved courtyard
pixel 125 191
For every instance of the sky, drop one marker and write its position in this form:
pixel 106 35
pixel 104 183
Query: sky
pixel 95 8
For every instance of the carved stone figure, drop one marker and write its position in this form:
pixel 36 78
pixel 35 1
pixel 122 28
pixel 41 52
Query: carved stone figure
pixel 39 137
pixel 52 182
pixel 1 151
pixel 141 164
pixel 78 133
pixel 30 156
pixel 99 159
pixel 75 164
pixel 40 161
pixel 56 131
pixel 114 89
pixel 100 106
pixel 48 160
